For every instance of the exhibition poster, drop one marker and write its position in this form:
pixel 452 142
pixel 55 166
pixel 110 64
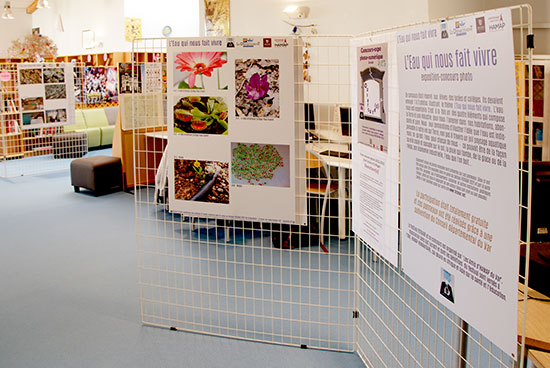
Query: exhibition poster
pixel 46 91
pixel 231 129
pixel 100 84
pixel 375 174
pixel 459 169
pixel 129 77
pixel 141 110
pixel 152 78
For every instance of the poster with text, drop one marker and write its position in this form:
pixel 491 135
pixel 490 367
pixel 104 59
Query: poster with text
pixel 129 77
pixel 459 175
pixel 375 174
pixel 46 92
pixel 372 95
pixel 231 129
pixel 152 78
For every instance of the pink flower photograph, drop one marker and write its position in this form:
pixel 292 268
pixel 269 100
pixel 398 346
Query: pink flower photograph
pixel 257 88
pixel 200 70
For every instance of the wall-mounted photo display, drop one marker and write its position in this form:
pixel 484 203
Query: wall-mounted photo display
pixel 47 95
pixel 231 101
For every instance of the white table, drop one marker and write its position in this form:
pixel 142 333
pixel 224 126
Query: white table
pixel 332 136
pixel 163 134
pixel 342 164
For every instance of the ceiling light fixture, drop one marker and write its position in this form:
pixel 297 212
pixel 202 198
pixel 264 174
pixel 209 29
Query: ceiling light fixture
pixel 296 12
pixel 42 4
pixel 7 13
pixel 295 16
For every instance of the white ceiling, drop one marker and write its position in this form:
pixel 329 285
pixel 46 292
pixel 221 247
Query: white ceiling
pixel 18 4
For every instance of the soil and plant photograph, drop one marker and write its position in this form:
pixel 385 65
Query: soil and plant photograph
pixel 200 115
pixel 257 88
pixel 203 181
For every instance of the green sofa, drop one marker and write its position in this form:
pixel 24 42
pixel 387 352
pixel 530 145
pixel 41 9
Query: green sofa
pixel 94 122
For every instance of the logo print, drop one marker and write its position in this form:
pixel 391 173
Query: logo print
pixel 444 33
pixel 480 25
pixel 267 42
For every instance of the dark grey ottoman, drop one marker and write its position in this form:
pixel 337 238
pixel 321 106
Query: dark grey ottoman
pixel 70 145
pixel 101 174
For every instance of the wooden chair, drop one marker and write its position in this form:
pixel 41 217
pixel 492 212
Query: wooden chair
pixel 320 184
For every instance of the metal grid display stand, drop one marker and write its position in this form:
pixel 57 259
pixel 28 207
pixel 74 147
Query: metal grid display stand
pixel 225 278
pixel 400 324
pixel 36 150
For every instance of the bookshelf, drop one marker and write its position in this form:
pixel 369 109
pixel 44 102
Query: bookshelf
pixel 541 109
pixel 112 58
pixel 10 124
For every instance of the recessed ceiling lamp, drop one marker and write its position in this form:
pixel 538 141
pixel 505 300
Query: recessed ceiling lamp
pixel 7 13
pixel 42 4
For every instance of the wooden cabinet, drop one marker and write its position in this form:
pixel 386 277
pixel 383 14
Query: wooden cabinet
pixel 149 146
pixel 541 109
pixel 146 158
pixel 10 146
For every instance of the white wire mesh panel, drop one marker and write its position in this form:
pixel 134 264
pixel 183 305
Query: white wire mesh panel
pixel 37 150
pixel 400 324
pixel 227 278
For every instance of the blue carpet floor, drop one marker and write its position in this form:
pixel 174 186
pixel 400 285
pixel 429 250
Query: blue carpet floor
pixel 69 291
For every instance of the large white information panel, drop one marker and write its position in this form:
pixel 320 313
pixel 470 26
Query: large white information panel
pixel 231 127
pixel 459 175
pixel 375 175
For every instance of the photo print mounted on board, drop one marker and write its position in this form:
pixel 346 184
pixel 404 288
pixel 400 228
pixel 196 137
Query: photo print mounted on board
pixel 216 17
pixel 257 88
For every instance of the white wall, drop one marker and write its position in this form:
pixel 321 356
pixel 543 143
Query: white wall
pixel 541 16
pixel 445 8
pixel 541 20
pixel 264 17
pixel 182 16
pixel 106 19
pixel 259 17
pixel 13 29
pixel 101 16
